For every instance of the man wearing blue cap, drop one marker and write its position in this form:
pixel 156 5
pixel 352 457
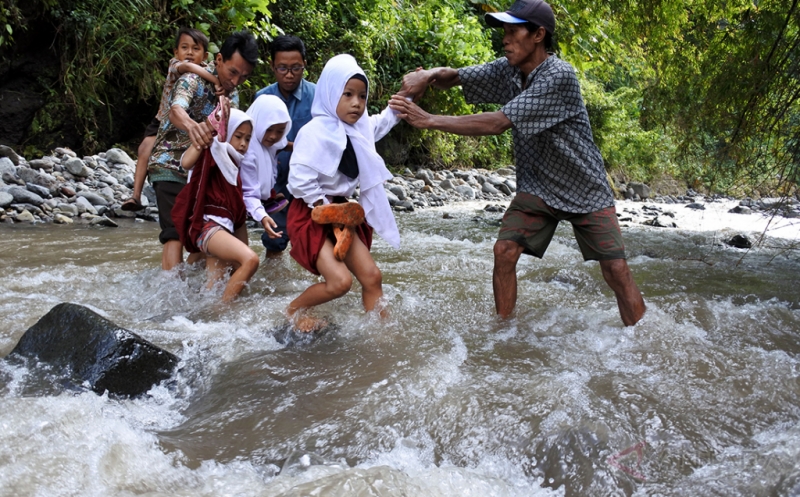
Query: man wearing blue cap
pixel 560 172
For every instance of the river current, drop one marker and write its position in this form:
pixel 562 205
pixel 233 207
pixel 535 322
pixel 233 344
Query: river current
pixel 702 397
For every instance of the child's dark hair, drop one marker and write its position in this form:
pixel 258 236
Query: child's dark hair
pixel 195 35
pixel 242 42
pixel 287 43
pixel 548 37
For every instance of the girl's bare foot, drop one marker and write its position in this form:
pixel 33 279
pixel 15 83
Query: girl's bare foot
pixel 309 324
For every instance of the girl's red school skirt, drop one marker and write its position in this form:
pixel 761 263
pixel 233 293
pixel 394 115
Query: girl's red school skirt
pixel 308 237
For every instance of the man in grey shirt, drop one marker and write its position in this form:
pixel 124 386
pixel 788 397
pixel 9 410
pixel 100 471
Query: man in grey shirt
pixel 560 173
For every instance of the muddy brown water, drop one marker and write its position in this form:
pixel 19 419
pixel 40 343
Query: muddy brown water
pixel 701 398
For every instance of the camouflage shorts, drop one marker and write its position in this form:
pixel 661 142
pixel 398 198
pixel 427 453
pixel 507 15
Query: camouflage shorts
pixel 531 223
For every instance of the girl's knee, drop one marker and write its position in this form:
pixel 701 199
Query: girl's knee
pixel 251 262
pixel 339 285
pixel 372 278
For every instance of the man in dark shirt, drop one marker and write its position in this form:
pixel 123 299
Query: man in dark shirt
pixel 560 172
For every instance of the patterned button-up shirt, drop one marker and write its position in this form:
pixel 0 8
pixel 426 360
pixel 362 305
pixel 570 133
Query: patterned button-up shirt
pixel 556 157
pixel 196 96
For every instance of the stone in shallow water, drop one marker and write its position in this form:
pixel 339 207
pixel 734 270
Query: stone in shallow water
pixel 62 219
pixel 287 335
pixel 740 241
pixel 80 347
pixel 25 217
pixel 103 221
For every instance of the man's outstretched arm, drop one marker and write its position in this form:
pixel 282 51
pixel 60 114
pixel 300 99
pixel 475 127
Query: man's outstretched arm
pixel 486 123
pixel 415 83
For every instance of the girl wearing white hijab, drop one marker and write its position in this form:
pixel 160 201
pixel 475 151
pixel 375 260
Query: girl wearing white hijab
pixel 271 124
pixel 334 154
pixel 209 212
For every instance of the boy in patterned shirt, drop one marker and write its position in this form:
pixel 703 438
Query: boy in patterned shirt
pixel 190 54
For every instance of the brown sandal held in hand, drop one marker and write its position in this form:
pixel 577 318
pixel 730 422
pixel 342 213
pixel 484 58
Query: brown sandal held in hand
pixel 131 205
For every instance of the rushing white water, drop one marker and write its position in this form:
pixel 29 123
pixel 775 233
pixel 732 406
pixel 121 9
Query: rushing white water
pixel 440 399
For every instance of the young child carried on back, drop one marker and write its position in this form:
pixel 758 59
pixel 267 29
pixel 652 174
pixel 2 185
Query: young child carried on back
pixel 334 154
pixel 259 171
pixel 209 212
pixel 190 54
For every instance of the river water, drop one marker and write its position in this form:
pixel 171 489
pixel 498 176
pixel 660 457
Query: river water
pixel 442 399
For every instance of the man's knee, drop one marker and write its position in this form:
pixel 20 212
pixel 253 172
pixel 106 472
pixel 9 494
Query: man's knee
pixel 506 252
pixel 615 270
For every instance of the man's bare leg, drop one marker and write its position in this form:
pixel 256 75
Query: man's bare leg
pixel 629 299
pixel 504 277
pixel 171 254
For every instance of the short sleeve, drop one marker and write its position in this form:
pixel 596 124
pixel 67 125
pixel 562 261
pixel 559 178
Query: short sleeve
pixel 486 83
pixel 185 90
pixel 543 104
pixel 173 68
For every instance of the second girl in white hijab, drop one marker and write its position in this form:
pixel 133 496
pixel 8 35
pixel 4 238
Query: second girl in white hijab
pixel 271 124
pixel 333 155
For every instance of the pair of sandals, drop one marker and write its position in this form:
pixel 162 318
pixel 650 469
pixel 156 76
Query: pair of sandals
pixel 344 217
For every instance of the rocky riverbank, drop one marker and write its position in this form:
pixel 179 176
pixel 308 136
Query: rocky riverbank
pixel 63 188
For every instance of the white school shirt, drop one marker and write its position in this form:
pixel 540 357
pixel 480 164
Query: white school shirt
pixel 310 185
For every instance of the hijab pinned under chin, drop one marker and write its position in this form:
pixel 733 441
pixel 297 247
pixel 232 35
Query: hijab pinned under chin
pixel 225 156
pixel 324 140
pixel 266 111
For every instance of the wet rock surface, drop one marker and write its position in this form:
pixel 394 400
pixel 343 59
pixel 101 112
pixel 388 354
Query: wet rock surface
pixel 74 348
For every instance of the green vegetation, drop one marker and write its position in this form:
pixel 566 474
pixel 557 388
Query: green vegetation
pixel 699 90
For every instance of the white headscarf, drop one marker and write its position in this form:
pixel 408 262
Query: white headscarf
pixel 325 137
pixel 226 157
pixel 266 111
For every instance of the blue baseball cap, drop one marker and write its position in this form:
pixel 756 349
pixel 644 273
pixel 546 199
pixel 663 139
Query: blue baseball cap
pixel 536 11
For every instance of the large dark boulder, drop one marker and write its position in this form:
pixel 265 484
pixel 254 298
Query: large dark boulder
pixel 79 347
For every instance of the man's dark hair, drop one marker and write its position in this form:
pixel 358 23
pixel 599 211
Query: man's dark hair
pixel 548 37
pixel 195 35
pixel 287 43
pixel 242 42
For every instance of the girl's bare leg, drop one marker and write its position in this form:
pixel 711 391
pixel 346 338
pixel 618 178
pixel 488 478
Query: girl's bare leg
pixel 215 270
pixel 230 249
pixel 337 282
pixel 360 262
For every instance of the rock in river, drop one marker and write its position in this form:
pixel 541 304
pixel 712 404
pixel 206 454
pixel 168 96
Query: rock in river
pixel 80 347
